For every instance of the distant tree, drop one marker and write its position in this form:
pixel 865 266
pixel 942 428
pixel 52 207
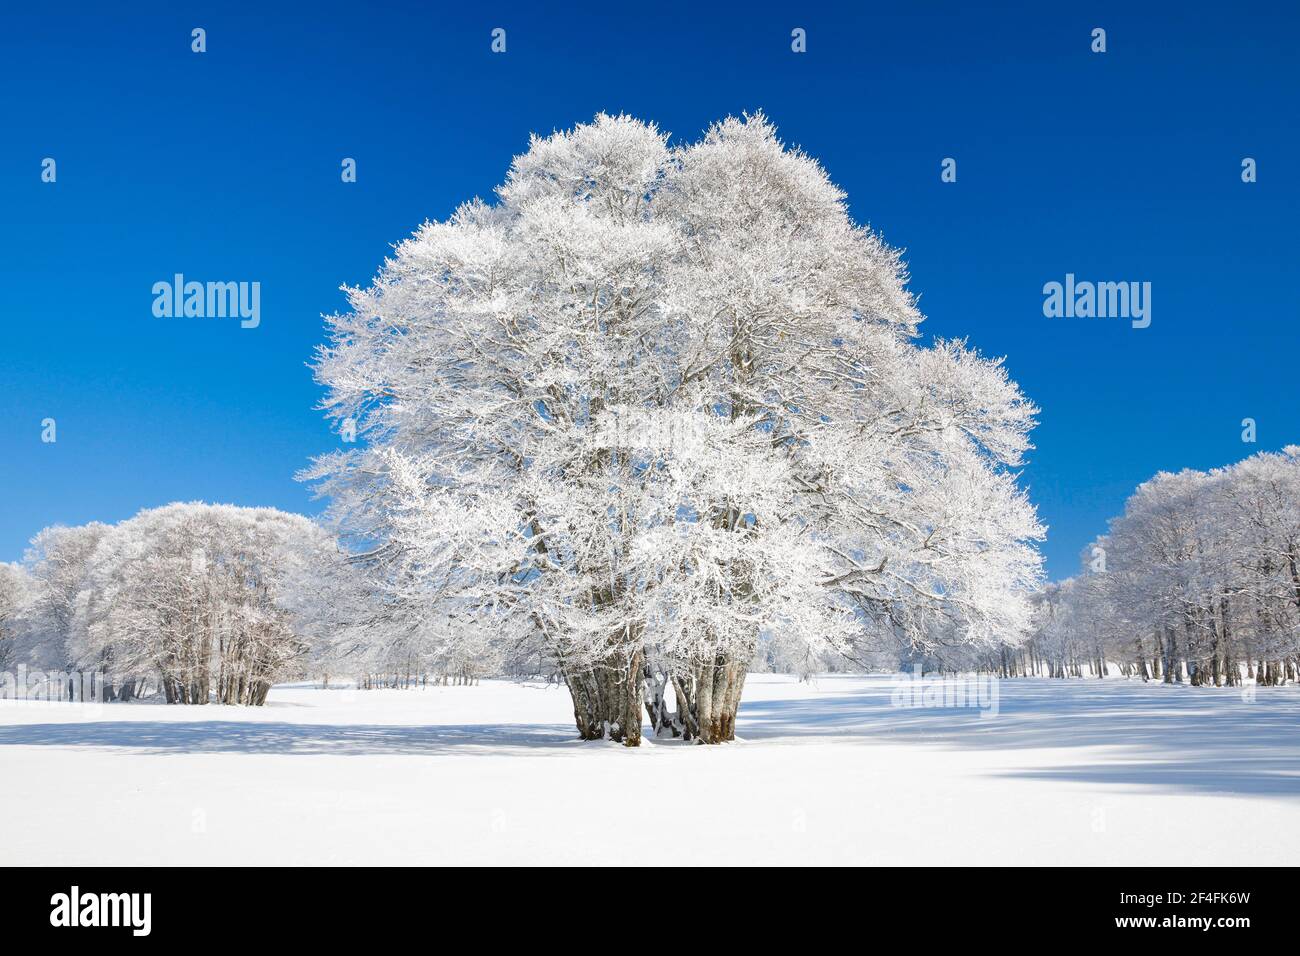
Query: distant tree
pixel 17 592
pixel 58 558
pixel 212 599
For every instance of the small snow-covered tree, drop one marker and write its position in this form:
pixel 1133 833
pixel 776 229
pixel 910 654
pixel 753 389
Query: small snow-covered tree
pixel 213 599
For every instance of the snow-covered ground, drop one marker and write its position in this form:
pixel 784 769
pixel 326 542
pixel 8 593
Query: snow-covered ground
pixel 1066 772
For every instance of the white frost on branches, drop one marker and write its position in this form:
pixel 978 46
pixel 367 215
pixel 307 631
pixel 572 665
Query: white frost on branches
pixel 656 402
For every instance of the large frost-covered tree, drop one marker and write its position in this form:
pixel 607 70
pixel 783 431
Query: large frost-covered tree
pixel 654 403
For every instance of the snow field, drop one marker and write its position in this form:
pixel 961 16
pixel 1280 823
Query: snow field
pixel 830 772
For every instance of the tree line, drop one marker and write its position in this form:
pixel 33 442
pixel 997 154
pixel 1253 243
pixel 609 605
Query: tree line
pixel 1198 581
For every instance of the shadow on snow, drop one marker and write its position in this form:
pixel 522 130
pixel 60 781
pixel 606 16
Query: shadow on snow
pixel 1173 738
pixel 257 737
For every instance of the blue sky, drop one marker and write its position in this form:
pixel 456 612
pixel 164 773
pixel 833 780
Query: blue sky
pixel 225 166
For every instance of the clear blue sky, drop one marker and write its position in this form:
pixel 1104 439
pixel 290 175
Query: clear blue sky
pixel 225 166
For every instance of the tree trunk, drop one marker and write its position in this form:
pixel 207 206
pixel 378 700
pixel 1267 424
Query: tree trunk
pixel 663 722
pixel 712 695
pixel 607 698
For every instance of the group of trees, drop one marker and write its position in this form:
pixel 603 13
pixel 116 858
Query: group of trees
pixel 655 416
pixel 1198 580
pixel 198 601
pixel 656 409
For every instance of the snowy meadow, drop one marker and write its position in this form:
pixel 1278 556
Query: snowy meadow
pixel 825 771
pixel 646 453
